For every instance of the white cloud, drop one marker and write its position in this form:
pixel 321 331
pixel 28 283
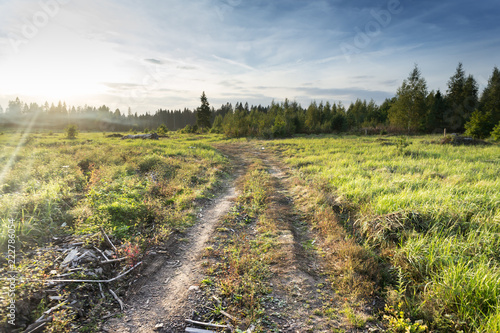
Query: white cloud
pixel 153 54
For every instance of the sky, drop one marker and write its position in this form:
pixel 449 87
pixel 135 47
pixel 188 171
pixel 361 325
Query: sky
pixel 155 54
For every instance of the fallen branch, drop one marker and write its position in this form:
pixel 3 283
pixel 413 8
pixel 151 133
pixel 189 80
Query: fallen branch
pixel 113 260
pixel 102 253
pixel 91 281
pixel 37 326
pixel 49 311
pixel 222 312
pixel 205 324
pixel 102 293
pixel 117 298
pixel 110 315
pixel 107 238
pixel 197 330
pixel 228 315
pixel 42 321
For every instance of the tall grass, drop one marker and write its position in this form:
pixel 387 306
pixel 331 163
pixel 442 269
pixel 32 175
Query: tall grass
pixel 431 209
pixel 93 180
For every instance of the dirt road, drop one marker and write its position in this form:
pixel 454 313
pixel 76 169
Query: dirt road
pixel 301 299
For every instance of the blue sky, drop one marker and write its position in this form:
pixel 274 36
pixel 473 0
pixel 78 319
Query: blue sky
pixel 162 54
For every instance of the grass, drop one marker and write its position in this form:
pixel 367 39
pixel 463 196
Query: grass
pixel 139 191
pixel 412 220
pixel 241 260
pixel 93 180
pixel 430 210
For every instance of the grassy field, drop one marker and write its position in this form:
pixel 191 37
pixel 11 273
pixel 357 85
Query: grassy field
pixel 409 219
pixel 429 211
pixel 140 191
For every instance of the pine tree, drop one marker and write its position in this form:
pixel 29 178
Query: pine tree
pixel 490 100
pixel 203 113
pixel 313 118
pixel 437 109
pixel 462 97
pixel 410 107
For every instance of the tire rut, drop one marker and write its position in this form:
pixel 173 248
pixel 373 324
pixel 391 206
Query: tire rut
pixel 163 300
pixel 299 282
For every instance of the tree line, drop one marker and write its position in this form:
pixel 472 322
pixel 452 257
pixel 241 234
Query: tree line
pixel 462 108
pixel 412 110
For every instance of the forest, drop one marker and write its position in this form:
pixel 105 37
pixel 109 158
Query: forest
pixel 413 109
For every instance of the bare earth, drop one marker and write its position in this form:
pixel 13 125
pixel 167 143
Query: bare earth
pixel 169 282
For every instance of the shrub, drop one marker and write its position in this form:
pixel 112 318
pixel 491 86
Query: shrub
pixel 162 130
pixel 479 125
pixel 189 129
pixel 71 131
pixel 495 134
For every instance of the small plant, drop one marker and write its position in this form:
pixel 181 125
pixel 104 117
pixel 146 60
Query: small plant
pixel 132 251
pixel 61 321
pixel 397 321
pixel 71 131
pixel 206 282
pixel 401 144
pixel 353 318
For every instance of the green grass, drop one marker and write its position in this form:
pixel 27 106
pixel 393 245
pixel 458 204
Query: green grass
pixel 243 260
pixel 139 191
pixel 430 209
pixel 52 181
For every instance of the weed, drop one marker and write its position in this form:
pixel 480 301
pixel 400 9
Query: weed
pixel 354 319
pixel 398 323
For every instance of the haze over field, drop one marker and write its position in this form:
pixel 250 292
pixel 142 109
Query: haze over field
pixel 161 54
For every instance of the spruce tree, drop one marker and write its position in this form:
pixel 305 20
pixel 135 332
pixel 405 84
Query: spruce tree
pixel 203 113
pixel 410 107
pixel 490 100
pixel 462 97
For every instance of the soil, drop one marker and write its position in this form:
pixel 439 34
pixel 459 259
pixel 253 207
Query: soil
pixel 169 282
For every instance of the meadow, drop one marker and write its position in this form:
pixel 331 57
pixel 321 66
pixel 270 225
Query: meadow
pixel 408 219
pixel 139 191
pixel 429 212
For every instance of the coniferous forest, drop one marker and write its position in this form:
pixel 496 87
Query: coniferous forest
pixel 413 109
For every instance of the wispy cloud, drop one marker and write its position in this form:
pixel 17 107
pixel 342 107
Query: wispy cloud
pixel 154 54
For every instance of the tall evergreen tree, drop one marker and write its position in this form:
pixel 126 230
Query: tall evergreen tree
pixel 313 118
pixel 490 100
pixel 437 109
pixel 410 107
pixel 203 113
pixel 471 99
pixel 462 98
